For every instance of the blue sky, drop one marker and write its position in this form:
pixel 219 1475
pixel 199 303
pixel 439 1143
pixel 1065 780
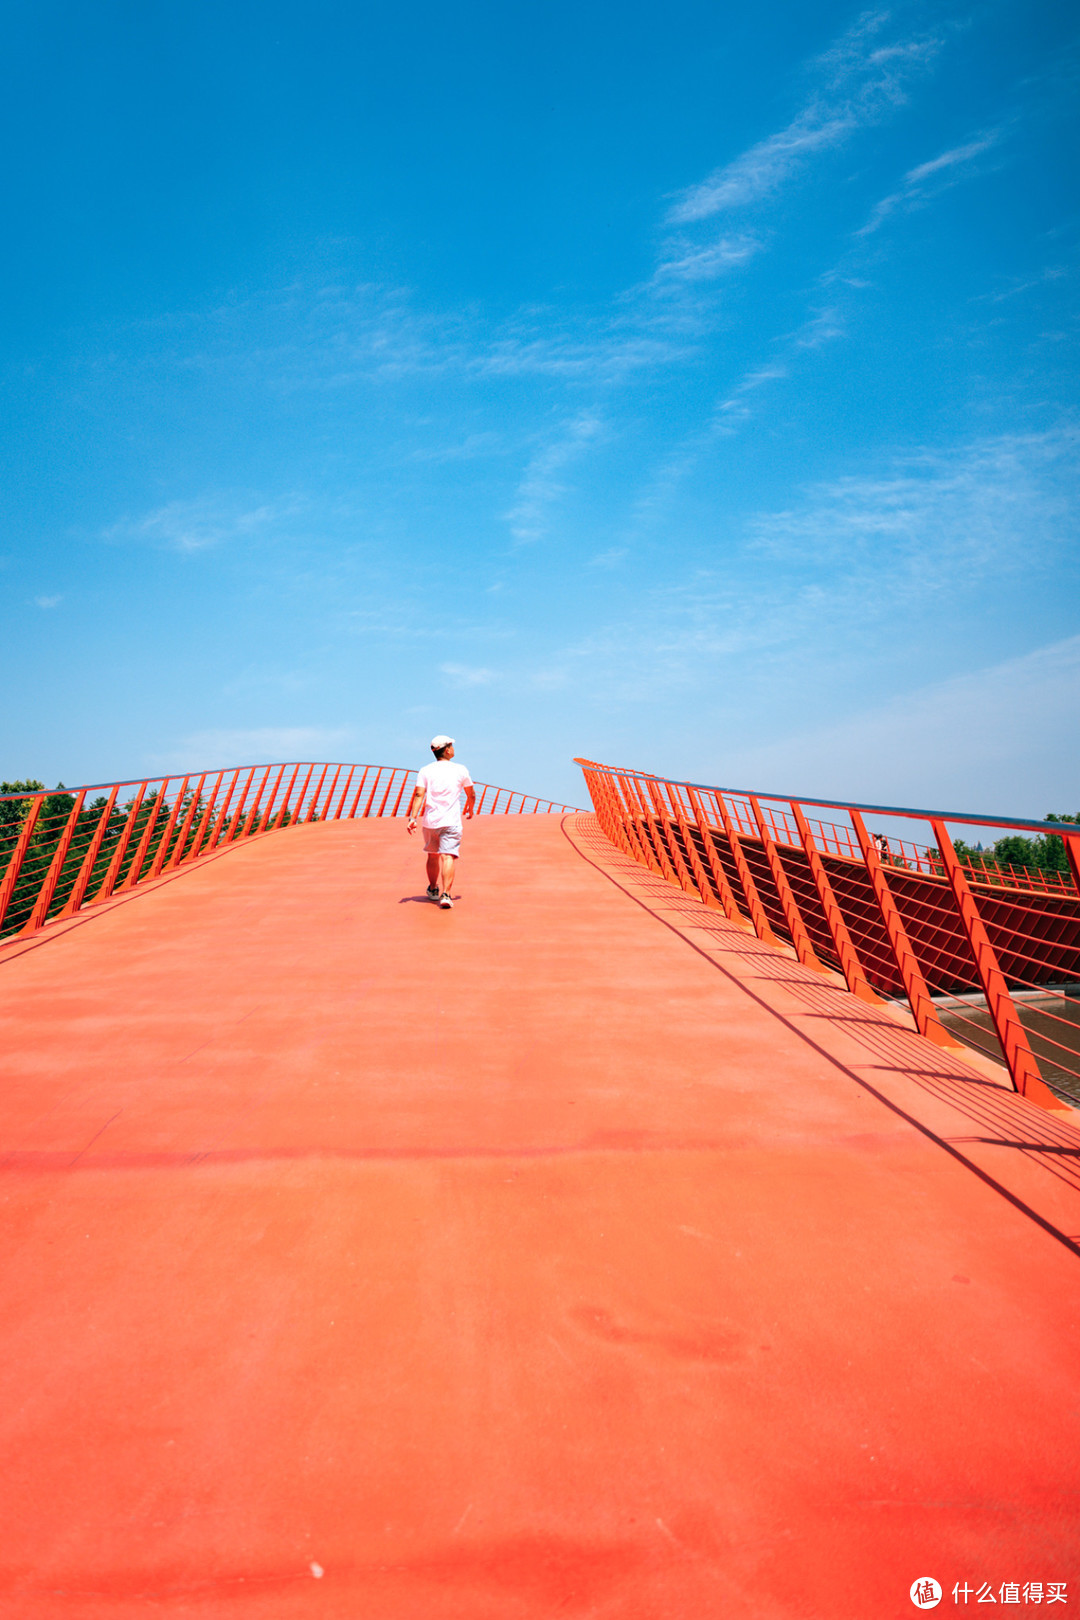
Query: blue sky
pixel 692 387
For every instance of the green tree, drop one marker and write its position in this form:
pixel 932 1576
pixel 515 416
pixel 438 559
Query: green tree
pixel 13 811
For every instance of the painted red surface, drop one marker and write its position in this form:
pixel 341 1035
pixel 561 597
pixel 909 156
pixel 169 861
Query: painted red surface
pixel 571 1253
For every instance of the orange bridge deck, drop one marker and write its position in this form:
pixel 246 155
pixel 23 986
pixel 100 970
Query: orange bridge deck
pixel 572 1253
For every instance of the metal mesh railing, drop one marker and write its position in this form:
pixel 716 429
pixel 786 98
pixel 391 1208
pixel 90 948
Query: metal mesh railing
pixel 986 954
pixel 78 846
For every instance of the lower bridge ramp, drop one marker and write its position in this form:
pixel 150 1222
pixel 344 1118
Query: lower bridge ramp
pixel 569 1253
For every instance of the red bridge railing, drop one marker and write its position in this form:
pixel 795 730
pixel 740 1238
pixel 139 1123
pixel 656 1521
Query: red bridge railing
pixel 65 850
pixel 986 955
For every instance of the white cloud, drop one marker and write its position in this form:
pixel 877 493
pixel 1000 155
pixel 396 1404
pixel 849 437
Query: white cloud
pixel 689 261
pixel 196 525
pixel 464 675
pixel 1052 272
pixel 542 485
pixel 605 355
pixel 1008 501
pixel 734 408
pixel 928 180
pixel 762 169
pixel 261 745
pixel 824 326
pixel 47 601
pixel 854 576
pixel 860 81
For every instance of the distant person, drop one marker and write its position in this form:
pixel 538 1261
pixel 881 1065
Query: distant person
pixel 438 790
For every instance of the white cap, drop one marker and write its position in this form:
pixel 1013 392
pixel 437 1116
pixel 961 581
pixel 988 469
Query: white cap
pixel 441 742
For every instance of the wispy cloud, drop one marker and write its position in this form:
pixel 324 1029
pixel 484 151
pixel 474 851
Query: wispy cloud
pixel 47 601
pixel 543 484
pixel 824 326
pixel 735 408
pixel 1007 501
pixel 465 675
pixel 606 354
pixel 860 80
pixel 929 180
pixel 856 569
pixel 688 261
pixel 1021 285
pixel 196 525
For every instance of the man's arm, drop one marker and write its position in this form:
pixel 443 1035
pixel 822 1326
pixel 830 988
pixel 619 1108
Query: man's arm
pixel 416 804
pixel 470 801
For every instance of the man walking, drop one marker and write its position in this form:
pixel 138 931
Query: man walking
pixel 438 789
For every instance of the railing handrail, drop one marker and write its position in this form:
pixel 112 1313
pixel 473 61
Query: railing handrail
pixel 1064 829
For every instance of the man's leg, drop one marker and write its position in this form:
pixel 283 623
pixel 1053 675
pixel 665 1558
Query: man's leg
pixel 434 864
pixel 447 863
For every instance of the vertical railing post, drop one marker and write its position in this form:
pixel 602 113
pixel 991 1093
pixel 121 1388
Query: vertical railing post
pixel 401 792
pixel 621 812
pixel 633 815
pixel 719 876
pixel 386 795
pixel 356 799
pixel 295 817
pixel 283 809
pixel 1010 1032
pixel 314 810
pixel 611 807
pixel 190 821
pixel 206 820
pixel 234 825
pixel 923 1010
pixel 78 893
pixel 848 957
pixel 144 842
pixel 56 866
pixel 1072 853
pixel 223 824
pixel 668 841
pixel 374 790
pixel 18 855
pixel 331 790
pixel 163 848
pixel 704 887
pixel 651 830
pixel 742 866
pixel 268 813
pixel 108 882
pixel 251 824
pixel 607 807
pixel 344 793
pixel 804 948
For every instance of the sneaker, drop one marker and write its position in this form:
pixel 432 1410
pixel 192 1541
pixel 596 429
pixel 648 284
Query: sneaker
pixel 445 902
pixel 433 891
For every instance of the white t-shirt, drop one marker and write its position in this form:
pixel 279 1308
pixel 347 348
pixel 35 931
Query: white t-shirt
pixel 442 782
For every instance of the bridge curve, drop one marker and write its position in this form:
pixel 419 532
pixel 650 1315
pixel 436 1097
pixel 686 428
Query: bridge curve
pixel 572 1252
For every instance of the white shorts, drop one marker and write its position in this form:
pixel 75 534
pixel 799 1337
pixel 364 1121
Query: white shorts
pixel 442 840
